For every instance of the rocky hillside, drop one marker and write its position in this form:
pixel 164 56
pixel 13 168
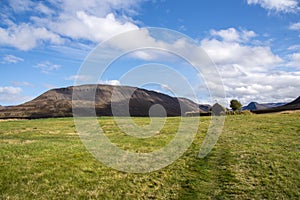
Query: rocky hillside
pixel 58 103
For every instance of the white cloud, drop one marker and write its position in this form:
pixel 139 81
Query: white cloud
pixel 295 26
pixel 29 5
pixel 228 35
pixel 90 20
pixel 10 90
pixel 285 6
pixel 110 82
pixel 144 55
pixel 40 7
pixel 47 67
pixel 294 47
pixel 89 27
pixel 11 59
pixel 264 88
pixel 21 6
pixel 12 95
pixel 96 7
pixel 26 36
pixel 231 50
pixel 80 78
pixel 247 35
pixel 151 55
pixel 233 35
pixel 84 79
pixel 231 71
pixel 252 58
pixel 250 72
pixel 294 60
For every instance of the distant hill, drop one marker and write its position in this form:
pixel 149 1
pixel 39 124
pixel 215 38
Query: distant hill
pixel 58 102
pixel 205 107
pixel 259 106
pixel 294 105
pixel 254 106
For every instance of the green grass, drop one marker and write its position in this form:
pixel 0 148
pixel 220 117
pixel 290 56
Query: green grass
pixel 256 157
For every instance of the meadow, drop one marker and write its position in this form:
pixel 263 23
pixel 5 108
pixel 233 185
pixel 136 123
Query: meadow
pixel 256 157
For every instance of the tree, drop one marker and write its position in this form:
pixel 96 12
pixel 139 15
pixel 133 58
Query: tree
pixel 235 105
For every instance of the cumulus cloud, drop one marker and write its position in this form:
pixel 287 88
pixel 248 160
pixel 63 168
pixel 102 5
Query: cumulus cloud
pixel 295 26
pixel 261 87
pixel 85 79
pixel 294 60
pixel 231 34
pixel 285 6
pixel 11 59
pixel 12 95
pixel 250 72
pixel 25 36
pixel 89 27
pixel 230 50
pixel 47 67
pixel 90 20
pixel 110 82
pixel 10 90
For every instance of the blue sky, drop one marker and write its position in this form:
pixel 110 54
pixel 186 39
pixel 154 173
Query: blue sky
pixel 255 44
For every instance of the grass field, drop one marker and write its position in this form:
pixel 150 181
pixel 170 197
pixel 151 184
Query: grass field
pixel 256 157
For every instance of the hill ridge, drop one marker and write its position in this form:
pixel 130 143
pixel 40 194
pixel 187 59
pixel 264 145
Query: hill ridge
pixel 293 105
pixel 57 102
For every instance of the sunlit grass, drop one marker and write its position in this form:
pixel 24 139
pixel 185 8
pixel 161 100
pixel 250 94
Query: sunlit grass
pixel 256 157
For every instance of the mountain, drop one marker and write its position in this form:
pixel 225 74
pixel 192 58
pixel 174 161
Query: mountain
pixel 58 103
pixel 260 106
pixel 205 107
pixel 294 105
pixel 254 106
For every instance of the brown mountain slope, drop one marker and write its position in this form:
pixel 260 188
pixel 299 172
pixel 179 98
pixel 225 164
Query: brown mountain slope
pixel 58 103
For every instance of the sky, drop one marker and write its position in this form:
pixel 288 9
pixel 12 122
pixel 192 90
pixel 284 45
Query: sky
pixel 254 44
